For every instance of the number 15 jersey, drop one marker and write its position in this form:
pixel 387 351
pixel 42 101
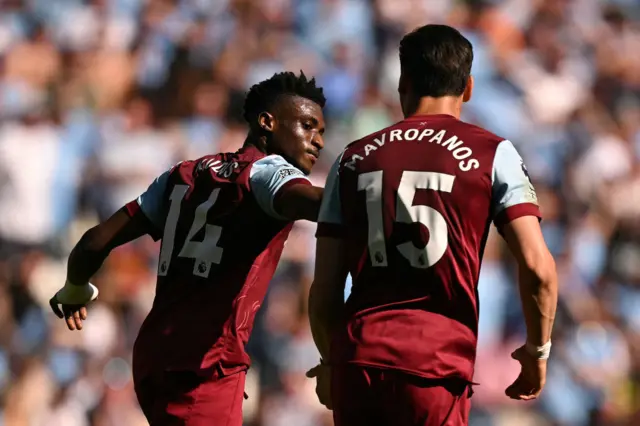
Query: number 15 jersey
pixel 414 203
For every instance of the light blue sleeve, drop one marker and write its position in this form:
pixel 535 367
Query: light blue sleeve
pixel 268 175
pixel 152 203
pixel 511 182
pixel 331 207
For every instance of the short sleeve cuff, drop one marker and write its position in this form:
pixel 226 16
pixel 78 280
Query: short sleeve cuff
pixel 330 230
pixel 132 207
pixel 281 190
pixel 290 183
pixel 514 212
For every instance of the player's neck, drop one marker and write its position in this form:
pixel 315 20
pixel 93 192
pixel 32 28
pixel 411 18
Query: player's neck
pixel 448 105
pixel 259 142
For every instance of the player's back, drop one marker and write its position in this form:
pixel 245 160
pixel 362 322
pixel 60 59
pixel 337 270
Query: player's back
pixel 417 200
pixel 221 241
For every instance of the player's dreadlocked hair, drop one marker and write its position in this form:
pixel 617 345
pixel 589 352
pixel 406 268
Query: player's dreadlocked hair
pixel 261 96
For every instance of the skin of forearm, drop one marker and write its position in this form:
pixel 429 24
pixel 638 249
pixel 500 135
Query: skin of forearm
pixel 325 315
pixel 85 260
pixel 539 297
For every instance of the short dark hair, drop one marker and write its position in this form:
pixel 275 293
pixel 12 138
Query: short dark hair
pixel 437 60
pixel 262 96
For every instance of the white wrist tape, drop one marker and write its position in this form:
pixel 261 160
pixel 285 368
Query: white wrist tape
pixel 72 294
pixel 539 352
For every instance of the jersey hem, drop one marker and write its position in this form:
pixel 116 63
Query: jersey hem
pixel 408 371
pixel 516 211
pixel 133 208
pixel 280 191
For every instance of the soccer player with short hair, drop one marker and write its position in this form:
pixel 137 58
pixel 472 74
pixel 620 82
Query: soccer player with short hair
pixel 223 220
pixel 407 211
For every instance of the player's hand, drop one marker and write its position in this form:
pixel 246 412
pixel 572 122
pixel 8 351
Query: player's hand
pixel 322 373
pixel 532 378
pixel 73 300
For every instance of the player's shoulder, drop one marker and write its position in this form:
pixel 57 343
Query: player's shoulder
pixel 226 165
pixel 274 165
pixel 271 160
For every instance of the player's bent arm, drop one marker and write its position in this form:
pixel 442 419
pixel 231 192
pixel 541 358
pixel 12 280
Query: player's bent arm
pixel 326 296
pixel 299 201
pixel 537 277
pixel 95 245
pixel 130 222
pixel 283 191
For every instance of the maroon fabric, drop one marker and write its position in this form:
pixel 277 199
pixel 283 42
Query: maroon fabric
pixel 186 399
pixel 514 212
pixel 374 397
pixel 202 324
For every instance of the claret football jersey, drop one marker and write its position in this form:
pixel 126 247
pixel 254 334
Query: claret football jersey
pixel 414 203
pixel 221 242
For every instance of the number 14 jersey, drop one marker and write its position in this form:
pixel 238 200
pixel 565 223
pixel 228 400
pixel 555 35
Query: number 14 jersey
pixel 414 203
pixel 221 243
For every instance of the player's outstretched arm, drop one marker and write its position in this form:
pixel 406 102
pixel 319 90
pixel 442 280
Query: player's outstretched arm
pixel 538 283
pixel 86 258
pixel 301 201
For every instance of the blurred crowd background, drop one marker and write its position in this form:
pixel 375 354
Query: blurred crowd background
pixel 97 97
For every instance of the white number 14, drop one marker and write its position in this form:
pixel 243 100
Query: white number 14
pixel 204 253
pixel 410 181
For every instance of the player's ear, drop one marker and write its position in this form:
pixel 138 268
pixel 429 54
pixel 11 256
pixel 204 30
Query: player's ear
pixel 468 91
pixel 266 121
pixel 404 91
pixel 403 84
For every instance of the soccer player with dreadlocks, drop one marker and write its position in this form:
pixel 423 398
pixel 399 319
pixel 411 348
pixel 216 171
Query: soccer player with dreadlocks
pixel 223 220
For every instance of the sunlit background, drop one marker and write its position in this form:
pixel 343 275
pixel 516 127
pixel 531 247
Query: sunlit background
pixel 99 97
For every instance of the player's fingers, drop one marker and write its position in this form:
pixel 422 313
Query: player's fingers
pixel 53 303
pixel 516 388
pixel 83 313
pixel 517 395
pixel 72 316
pixel 511 391
pixel 526 397
pixel 77 320
pixel 520 390
pixel 71 324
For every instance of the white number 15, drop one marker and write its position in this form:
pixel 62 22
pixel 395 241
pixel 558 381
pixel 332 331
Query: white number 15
pixel 422 258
